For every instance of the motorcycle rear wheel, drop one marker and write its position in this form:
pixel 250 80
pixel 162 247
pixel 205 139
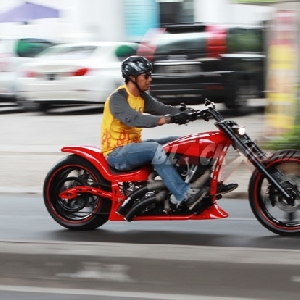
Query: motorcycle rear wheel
pixel 86 211
pixel 275 213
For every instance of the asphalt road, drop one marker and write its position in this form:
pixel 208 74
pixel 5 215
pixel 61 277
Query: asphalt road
pixel 25 218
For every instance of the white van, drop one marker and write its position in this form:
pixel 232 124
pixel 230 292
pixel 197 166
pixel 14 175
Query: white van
pixel 13 53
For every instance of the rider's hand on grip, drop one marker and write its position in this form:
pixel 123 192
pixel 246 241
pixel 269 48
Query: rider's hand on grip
pixel 180 118
pixel 204 115
pixel 193 115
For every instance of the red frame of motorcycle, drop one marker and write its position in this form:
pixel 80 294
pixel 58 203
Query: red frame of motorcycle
pixel 213 144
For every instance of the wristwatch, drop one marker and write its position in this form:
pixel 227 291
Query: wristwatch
pixel 168 118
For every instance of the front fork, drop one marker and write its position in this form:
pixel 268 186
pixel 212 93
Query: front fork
pixel 257 157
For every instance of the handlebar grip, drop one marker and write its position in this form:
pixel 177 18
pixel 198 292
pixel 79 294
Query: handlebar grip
pixel 184 117
pixel 200 114
pixel 192 116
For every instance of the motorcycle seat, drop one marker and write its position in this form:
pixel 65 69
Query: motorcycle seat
pixel 116 171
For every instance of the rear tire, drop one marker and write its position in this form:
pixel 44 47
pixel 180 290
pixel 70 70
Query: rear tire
pixel 86 211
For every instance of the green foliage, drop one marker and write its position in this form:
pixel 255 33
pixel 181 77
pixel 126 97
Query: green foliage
pixel 289 140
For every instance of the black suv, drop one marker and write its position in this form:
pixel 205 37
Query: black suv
pixel 195 61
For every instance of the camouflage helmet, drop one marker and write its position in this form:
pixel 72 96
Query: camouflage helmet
pixel 135 65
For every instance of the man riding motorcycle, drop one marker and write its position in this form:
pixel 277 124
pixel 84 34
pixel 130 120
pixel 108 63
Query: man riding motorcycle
pixel 129 109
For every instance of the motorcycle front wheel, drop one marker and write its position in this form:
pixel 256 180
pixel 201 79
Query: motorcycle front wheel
pixel 268 206
pixel 84 212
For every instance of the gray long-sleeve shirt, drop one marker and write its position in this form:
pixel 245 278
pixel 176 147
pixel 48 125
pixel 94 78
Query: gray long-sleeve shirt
pixel 153 110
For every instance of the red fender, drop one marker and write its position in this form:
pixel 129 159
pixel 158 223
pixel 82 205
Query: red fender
pixel 97 159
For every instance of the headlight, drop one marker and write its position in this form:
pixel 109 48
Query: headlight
pixel 242 130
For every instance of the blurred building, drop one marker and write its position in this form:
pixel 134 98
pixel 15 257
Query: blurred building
pixel 128 19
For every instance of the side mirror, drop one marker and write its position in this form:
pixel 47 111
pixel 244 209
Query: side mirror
pixel 208 102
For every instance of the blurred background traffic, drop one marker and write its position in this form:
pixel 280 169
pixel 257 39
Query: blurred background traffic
pixel 62 53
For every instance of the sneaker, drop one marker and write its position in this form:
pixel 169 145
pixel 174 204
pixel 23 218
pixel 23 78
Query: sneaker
pixel 194 196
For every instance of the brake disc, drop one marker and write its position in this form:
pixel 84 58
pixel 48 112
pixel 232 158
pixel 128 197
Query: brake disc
pixel 290 181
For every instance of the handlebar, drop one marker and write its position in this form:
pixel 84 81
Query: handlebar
pixel 206 113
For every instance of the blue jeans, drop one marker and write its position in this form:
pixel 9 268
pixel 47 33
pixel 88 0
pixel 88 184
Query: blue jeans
pixel 134 155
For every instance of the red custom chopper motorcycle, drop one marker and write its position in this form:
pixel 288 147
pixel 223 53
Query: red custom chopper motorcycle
pixel 81 192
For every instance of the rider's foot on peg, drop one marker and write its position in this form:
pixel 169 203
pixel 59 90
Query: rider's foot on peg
pixel 194 196
pixel 226 188
pixel 223 188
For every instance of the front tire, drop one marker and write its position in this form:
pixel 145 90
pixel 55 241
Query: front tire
pixel 86 211
pixel 268 206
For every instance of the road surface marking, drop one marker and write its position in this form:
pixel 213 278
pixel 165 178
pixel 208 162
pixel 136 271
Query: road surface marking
pixel 122 295
pixel 295 279
pixel 109 272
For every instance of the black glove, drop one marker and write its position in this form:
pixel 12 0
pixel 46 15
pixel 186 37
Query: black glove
pixel 205 115
pixel 180 118
pixel 193 116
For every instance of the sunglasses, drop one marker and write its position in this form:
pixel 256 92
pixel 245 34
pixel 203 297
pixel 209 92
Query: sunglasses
pixel 147 75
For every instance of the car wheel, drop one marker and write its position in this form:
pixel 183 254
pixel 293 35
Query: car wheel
pixel 42 107
pixel 26 105
pixel 243 91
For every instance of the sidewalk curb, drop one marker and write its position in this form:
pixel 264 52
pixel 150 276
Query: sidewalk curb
pixel 163 252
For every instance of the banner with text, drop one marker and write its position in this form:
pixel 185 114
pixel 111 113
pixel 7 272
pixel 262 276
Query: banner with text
pixel 282 72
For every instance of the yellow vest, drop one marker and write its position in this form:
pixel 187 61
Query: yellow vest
pixel 114 133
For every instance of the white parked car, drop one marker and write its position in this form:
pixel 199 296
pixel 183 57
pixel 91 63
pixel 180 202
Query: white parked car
pixel 81 73
pixel 13 53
